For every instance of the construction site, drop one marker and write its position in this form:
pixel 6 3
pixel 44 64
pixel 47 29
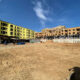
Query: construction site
pixel 52 54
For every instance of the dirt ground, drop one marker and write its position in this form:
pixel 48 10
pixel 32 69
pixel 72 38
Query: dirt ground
pixel 38 61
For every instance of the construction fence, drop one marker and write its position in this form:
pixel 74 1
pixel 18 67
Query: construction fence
pixel 67 40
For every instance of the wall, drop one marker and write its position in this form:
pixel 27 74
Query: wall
pixel 67 40
pixel 43 40
pixel 35 41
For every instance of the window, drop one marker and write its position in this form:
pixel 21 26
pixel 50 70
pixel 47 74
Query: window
pixel 11 33
pixel 78 29
pixel 17 30
pixel 73 32
pixel 3 24
pixel 11 29
pixel 3 32
pixel 3 28
pixel 78 33
pixel 65 30
pixel 17 27
pixel 73 29
pixel 50 31
pixel 18 34
pixel 11 26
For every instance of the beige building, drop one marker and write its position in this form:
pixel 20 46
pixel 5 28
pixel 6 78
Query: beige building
pixel 59 31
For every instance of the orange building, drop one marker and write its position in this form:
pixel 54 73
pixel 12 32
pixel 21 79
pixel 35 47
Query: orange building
pixel 59 32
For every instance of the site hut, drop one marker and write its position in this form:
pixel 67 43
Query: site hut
pixel 13 33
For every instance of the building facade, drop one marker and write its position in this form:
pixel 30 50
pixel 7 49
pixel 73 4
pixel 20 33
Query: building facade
pixel 14 31
pixel 59 32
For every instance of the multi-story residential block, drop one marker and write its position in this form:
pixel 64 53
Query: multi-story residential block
pixel 59 32
pixel 9 30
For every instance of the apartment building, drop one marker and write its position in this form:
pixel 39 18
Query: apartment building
pixel 59 32
pixel 10 31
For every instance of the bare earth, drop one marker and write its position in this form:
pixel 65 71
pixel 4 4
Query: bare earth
pixel 38 61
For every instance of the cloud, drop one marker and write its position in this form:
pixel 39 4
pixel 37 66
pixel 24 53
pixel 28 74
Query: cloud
pixel 42 11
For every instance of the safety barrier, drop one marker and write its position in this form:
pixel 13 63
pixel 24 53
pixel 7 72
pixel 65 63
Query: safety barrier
pixel 67 40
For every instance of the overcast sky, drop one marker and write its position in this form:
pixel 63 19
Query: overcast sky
pixel 39 14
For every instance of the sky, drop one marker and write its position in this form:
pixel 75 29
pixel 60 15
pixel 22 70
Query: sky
pixel 40 14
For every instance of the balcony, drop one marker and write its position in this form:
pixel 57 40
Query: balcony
pixel 3 28
pixel 4 24
pixel 78 29
pixel 3 32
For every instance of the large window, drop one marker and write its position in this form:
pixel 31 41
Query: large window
pixel 78 33
pixel 73 29
pixel 17 27
pixel 66 31
pixel 11 33
pixel 73 32
pixel 3 24
pixel 3 28
pixel 11 26
pixel 11 29
pixel 50 31
pixel 18 34
pixel 3 32
pixel 78 29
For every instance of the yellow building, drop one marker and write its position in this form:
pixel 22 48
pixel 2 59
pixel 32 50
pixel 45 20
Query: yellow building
pixel 11 30
pixel 32 34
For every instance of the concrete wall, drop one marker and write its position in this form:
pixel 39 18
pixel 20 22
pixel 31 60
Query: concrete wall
pixel 35 41
pixel 67 40
pixel 43 40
